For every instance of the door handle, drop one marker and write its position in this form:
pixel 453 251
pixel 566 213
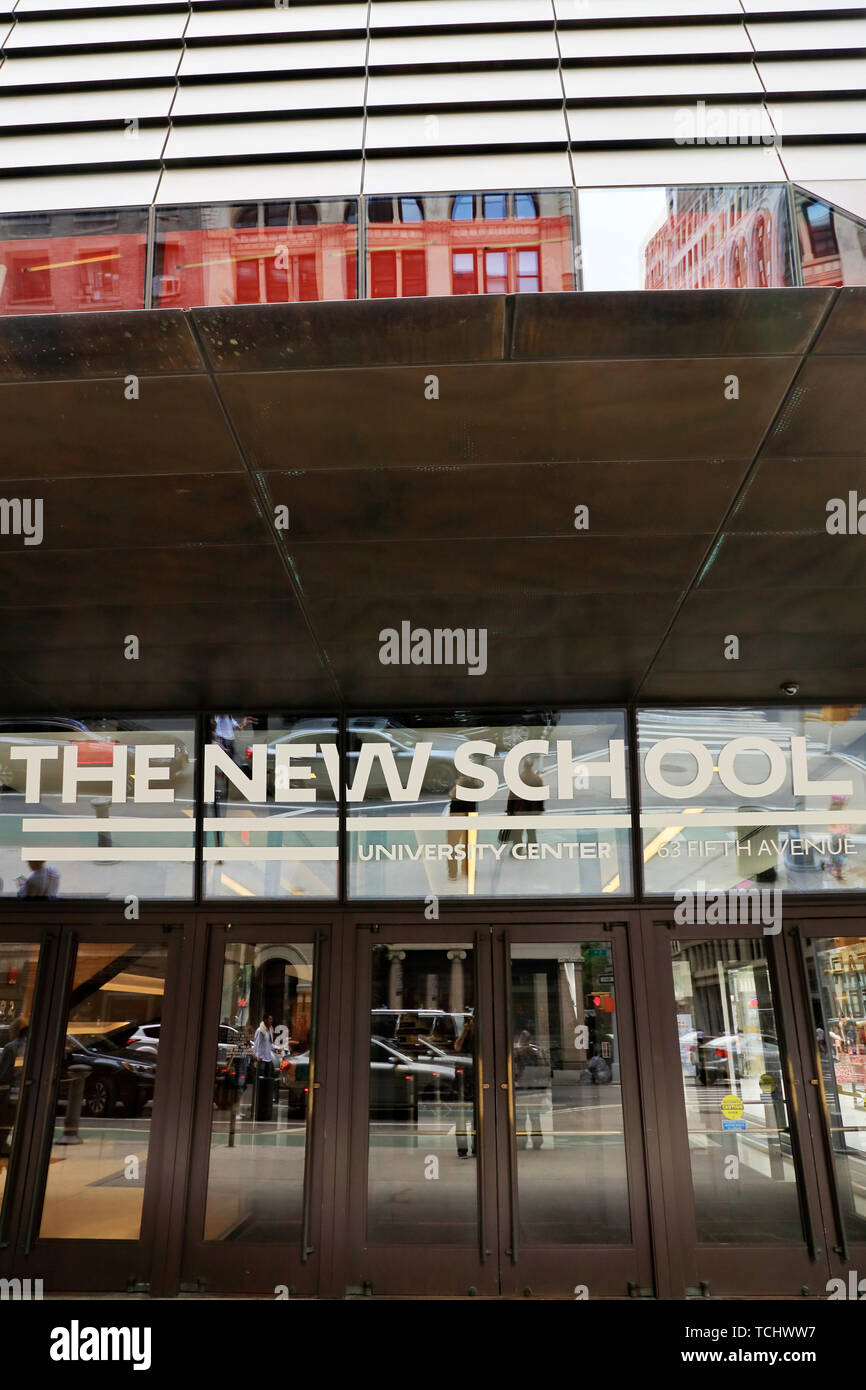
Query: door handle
pixel 509 1087
pixel 306 1197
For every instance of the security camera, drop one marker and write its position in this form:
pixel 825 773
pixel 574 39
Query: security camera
pixel 790 688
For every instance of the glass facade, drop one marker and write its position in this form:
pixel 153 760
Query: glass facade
pixel 72 262
pixel 688 236
pixel 466 804
pixel 255 253
pixel 729 236
pixel 832 244
pixel 469 243
pixel 535 807
pixel 267 834
pixel 100 808
pixel 767 799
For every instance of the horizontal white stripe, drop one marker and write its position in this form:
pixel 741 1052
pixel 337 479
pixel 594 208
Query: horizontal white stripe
pixel 285 824
pixel 46 825
pixel 540 822
pixel 254 852
pixel 771 819
pixel 122 856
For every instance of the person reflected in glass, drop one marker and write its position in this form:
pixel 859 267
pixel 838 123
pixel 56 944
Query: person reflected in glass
pixel 225 726
pixel 519 806
pixel 263 1052
pixel 43 881
pixel 531 1083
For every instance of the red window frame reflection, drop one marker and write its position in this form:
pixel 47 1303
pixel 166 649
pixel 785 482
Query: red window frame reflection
pixel 254 264
pixel 475 243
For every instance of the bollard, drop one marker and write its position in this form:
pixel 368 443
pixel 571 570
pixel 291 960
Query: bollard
pixel 77 1077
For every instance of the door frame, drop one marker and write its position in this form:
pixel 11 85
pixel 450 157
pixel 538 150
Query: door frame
pixel 608 1271
pixel 258 1267
pixel 441 1271
pixel 703 1269
pixel 844 1255
pixel 97 1265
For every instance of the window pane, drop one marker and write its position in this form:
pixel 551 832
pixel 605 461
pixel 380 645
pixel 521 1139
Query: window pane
pixel 568 1096
pixel 758 802
pixel 668 238
pixel 463 272
pixel 496 272
pixel 254 254
pixel 72 262
pixel 109 839
pixel 261 1089
pixel 271 800
pixel 549 822
pixel 443 230
pixel 734 1094
pixel 832 244
pixel 96 1177
pixel 527 271
pixel 422 1096
pixel 494 205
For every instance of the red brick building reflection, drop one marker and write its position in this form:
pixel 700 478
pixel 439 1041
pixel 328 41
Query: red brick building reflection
pixel 469 243
pixel 727 237
pixel 72 262
pixel 257 253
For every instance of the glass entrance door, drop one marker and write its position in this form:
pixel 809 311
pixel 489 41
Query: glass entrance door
pixel 742 1190
pixel 829 959
pixel 496 1140
pixel 84 1112
pixel 256 1209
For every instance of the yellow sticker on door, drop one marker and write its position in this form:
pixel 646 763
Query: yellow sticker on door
pixel 732 1107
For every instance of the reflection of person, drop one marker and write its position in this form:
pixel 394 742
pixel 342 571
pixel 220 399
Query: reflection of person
pixel 837 1041
pixel 529 1089
pixel 837 833
pixel 42 882
pixel 517 806
pixel 849 1029
pixel 225 726
pixel 263 1051
pixel 460 835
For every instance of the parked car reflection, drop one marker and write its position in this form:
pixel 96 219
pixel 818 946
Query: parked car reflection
pixel 117 1076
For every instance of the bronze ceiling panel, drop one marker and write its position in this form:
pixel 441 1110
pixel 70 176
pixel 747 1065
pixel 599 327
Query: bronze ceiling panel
pixel 706 514
pixel 88 429
pixel 518 500
pixel 507 413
